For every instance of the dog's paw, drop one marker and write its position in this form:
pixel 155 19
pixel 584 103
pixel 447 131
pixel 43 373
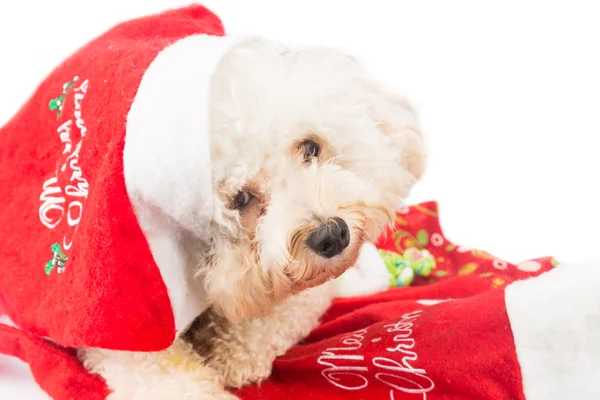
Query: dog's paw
pixel 219 395
pixel 175 388
pixel 176 373
pixel 237 372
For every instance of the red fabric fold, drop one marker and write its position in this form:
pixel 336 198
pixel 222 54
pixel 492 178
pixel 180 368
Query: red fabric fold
pixel 55 369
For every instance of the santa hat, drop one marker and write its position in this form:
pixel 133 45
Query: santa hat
pixel 103 170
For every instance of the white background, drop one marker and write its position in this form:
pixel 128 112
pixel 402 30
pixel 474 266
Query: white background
pixel 508 92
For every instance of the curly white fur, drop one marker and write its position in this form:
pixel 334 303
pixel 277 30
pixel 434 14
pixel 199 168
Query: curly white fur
pixel 266 101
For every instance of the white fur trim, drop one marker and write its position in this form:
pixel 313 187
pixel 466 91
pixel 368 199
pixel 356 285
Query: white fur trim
pixel 555 320
pixel 4 319
pixel 427 302
pixel 167 160
pixel 368 276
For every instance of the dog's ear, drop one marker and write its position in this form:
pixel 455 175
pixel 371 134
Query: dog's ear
pixel 397 119
pixel 414 151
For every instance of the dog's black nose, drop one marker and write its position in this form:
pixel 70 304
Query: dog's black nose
pixel 330 239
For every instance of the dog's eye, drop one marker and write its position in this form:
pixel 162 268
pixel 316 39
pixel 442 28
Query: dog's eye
pixel 241 200
pixel 309 149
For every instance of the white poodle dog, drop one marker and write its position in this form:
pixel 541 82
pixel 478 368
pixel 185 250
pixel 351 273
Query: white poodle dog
pixel 310 159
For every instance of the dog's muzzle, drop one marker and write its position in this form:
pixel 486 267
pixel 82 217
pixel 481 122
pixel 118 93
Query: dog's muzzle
pixel 330 239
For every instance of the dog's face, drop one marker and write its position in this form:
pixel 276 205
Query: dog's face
pixel 310 160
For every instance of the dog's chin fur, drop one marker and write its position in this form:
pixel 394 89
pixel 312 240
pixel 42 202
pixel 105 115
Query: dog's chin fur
pixel 266 100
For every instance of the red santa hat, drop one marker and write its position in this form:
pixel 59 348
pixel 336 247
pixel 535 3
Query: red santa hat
pixel 103 169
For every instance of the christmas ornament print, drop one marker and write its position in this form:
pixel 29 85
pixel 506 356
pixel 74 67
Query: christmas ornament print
pixel 58 260
pixel 57 104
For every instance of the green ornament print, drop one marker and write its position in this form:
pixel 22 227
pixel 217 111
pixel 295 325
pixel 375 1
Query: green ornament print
pixel 58 103
pixel 423 237
pixel 58 259
pixel 404 267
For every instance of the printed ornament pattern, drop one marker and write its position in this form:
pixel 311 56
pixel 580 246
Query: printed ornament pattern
pixel 403 267
pixel 58 260
pixel 417 230
pixel 57 104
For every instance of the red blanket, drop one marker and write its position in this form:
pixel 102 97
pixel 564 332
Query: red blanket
pixel 448 338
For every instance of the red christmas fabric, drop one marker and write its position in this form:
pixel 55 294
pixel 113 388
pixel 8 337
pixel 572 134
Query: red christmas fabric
pixel 447 338
pixel 55 369
pixel 76 266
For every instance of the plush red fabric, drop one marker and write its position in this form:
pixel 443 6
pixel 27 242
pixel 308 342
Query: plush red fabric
pixel 400 344
pixel 61 159
pixel 55 369
pixel 402 349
